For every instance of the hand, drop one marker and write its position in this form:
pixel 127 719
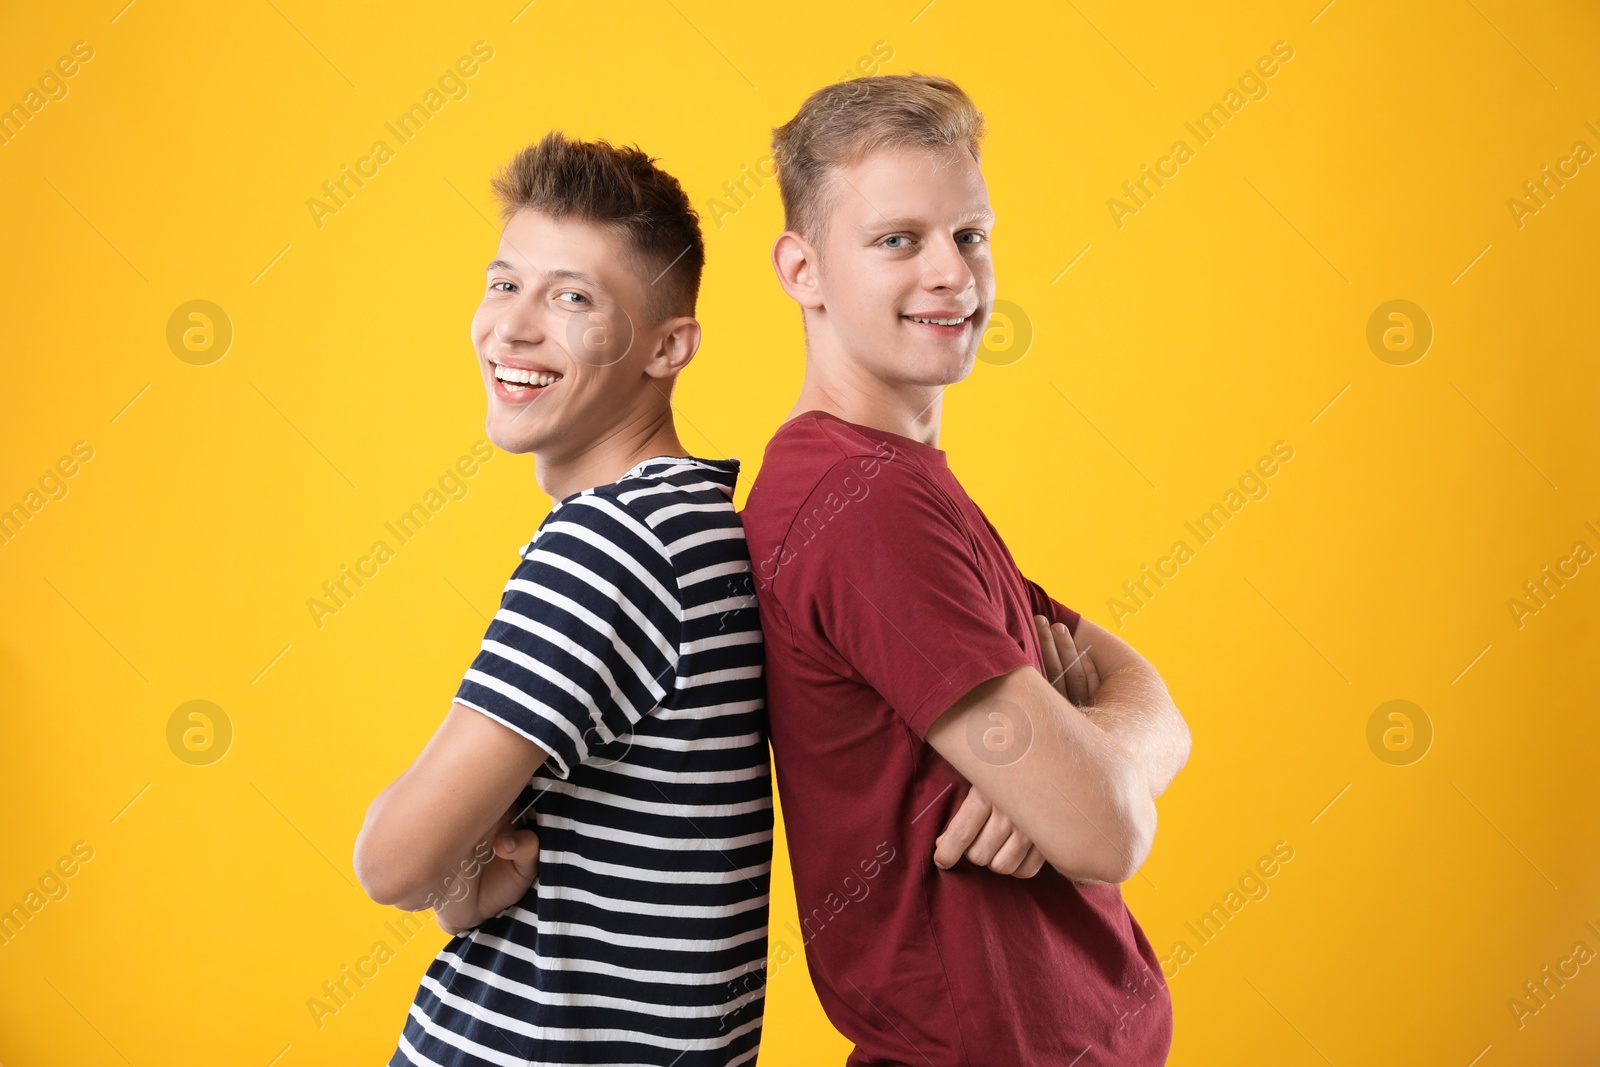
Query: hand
pixel 979 831
pixel 484 890
pixel 1072 673
pixel 983 834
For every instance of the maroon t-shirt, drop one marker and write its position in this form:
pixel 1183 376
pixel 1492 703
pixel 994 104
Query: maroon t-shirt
pixel 885 595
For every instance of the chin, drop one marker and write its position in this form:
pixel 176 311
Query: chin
pixel 510 440
pixel 940 372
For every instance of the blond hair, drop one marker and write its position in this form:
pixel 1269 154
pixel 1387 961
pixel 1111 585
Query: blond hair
pixel 841 124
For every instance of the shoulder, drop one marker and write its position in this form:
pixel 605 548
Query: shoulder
pixel 666 520
pixel 813 461
pixel 648 498
pixel 871 491
pixel 861 520
pixel 595 537
pixel 815 441
pixel 597 515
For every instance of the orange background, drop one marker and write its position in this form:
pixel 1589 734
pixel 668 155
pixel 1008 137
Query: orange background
pixel 1147 368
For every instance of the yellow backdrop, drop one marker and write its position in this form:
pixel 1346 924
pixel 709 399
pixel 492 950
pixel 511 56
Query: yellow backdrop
pixel 1339 345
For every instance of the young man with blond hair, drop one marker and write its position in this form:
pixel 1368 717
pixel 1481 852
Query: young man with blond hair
pixel 617 695
pixel 915 678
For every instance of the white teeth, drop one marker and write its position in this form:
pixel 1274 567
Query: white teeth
pixel 938 322
pixel 524 377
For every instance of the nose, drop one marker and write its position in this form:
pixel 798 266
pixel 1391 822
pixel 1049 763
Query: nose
pixel 947 269
pixel 518 323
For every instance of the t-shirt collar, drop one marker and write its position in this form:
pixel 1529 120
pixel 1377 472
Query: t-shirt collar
pixel 926 451
pixel 725 472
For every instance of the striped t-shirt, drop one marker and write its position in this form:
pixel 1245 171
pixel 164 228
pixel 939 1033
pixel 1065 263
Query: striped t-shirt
pixel 628 647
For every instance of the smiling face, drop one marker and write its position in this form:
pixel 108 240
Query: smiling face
pixel 560 337
pixel 905 277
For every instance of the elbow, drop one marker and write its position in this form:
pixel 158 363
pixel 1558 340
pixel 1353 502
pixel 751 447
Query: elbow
pixel 394 889
pixel 381 877
pixel 1175 755
pixel 1114 848
pixel 374 880
pixel 1138 834
pixel 1185 740
pixel 1132 833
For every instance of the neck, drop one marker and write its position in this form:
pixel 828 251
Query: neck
pixel 842 389
pixel 603 461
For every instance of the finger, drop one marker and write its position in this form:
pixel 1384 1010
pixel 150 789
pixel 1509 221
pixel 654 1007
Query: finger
pixel 1011 854
pixel 962 830
pixel 1031 864
pixel 1047 648
pixel 521 847
pixel 996 831
pixel 1077 680
pixel 1091 671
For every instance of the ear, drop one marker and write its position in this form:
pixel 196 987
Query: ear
pixel 680 339
pixel 795 262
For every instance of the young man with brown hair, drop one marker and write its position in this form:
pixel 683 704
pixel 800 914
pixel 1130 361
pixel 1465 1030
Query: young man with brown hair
pixel 617 693
pixel 910 663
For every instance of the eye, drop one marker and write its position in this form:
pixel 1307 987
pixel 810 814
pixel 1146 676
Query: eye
pixel 578 298
pixel 977 237
pixel 896 237
pixel 492 285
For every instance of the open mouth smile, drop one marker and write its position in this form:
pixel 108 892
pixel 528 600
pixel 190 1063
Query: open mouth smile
pixel 942 325
pixel 518 384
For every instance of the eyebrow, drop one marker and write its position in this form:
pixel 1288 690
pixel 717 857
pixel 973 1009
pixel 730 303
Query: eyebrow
pixel 905 222
pixel 559 273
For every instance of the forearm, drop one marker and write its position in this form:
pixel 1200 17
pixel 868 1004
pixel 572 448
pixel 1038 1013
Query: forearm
pixel 420 830
pixel 1073 790
pixel 396 871
pixel 455 902
pixel 1135 710
pixel 453 892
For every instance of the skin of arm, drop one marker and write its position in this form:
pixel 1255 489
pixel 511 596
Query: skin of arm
pixel 427 830
pixel 1093 768
pixel 1132 704
pixel 979 831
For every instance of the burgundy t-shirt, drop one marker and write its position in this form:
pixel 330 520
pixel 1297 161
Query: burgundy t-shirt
pixel 885 595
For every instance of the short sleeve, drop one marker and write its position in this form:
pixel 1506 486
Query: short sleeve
pixel 880 577
pixel 586 641
pixel 1050 608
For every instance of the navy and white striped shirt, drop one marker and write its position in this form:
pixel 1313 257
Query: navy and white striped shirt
pixel 627 645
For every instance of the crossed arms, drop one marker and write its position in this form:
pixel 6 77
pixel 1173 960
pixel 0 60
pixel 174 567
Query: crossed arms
pixel 1105 740
pixel 1099 754
pixel 442 835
